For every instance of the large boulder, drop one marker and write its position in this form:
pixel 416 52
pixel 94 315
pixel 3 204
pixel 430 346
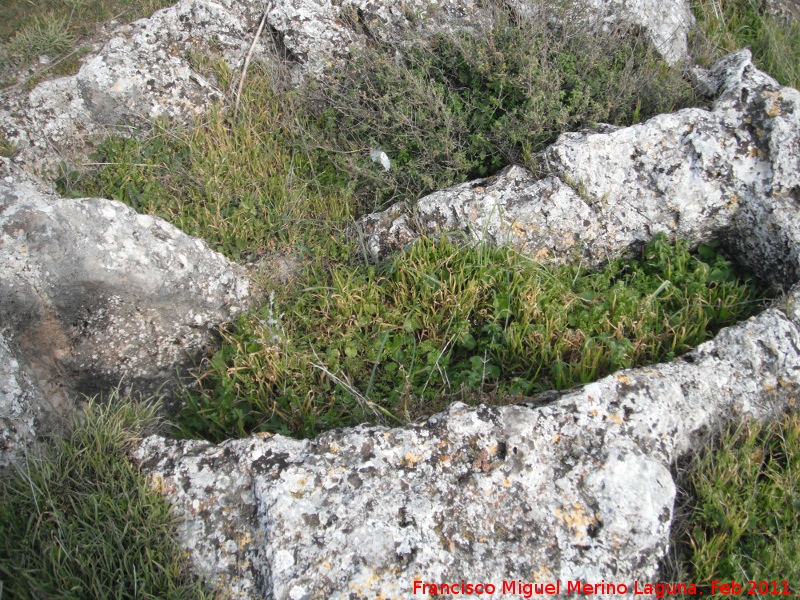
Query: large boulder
pixel 93 295
pixel 149 69
pixel 730 173
pixel 577 490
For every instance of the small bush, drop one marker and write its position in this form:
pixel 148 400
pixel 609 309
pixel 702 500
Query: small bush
pixel 462 105
pixel 440 322
pixel 79 521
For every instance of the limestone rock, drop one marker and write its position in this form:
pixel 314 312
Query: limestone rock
pixel 731 173
pixel 92 294
pixel 785 11
pixel 315 33
pixel 143 72
pixel 18 410
pixel 579 489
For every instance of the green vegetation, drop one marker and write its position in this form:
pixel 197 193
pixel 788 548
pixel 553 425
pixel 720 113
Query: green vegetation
pixel 79 521
pixel 7 148
pixel 57 28
pixel 724 26
pixel 463 105
pixel 441 322
pixel 236 181
pixel 343 341
pixel 745 523
pixel 355 342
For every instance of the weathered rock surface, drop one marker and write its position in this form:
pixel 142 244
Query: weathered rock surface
pixel 19 410
pixel 143 72
pixel 315 33
pixel 146 69
pixel 730 173
pixel 92 294
pixel 578 489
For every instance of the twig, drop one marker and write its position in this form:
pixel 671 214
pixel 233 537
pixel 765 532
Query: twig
pixel 247 62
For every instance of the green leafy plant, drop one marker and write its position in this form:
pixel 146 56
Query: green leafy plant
pixel 441 322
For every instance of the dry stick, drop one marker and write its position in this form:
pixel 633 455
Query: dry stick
pixel 247 62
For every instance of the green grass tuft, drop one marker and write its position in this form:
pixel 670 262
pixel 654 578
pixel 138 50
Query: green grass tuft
pixel 725 26
pixel 745 524
pixel 48 36
pixel 55 28
pixel 79 521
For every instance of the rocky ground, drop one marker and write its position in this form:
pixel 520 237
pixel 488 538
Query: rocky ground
pixel 576 488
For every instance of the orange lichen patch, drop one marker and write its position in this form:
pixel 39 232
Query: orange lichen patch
pixel 543 575
pixel 773 108
pixel 615 418
pixel 523 231
pixel 158 484
pixel 542 254
pixel 411 459
pixel 576 518
pixel 365 588
pixel 485 462
pixel 624 379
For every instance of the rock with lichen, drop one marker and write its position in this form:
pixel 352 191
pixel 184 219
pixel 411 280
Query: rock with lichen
pixel 577 489
pixel 93 295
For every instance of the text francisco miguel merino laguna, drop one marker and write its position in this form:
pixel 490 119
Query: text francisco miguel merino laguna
pixel 528 590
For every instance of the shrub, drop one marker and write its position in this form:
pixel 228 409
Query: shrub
pixel 462 105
